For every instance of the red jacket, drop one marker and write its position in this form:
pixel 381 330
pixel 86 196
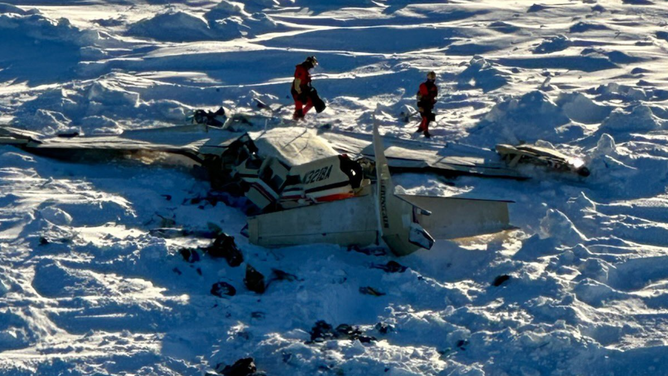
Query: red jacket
pixel 427 94
pixel 302 73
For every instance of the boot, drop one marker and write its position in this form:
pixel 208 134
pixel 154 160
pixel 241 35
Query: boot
pixel 427 134
pixel 298 115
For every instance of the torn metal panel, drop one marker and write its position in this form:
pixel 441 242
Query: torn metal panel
pixel 539 155
pixel 345 222
pixel 452 218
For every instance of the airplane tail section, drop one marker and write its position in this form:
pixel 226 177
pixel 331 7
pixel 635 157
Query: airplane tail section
pixel 397 219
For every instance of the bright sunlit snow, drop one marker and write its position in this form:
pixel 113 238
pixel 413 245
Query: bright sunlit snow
pixel 88 287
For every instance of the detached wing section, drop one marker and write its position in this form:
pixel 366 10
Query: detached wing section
pixel 414 156
pixel 188 140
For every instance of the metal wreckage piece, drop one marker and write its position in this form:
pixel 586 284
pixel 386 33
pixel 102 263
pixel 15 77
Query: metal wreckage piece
pixel 542 156
pixel 305 186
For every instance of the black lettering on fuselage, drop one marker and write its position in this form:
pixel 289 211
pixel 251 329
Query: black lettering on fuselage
pixel 317 175
pixel 383 206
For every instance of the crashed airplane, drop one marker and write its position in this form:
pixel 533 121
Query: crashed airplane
pixel 310 186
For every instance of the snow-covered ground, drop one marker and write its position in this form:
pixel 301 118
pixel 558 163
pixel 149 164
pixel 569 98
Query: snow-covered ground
pixel 87 288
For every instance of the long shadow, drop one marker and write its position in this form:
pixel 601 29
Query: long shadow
pixel 397 20
pixel 381 39
pixel 36 62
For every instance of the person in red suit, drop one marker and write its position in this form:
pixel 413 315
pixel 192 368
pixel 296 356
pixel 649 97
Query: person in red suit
pixel 301 87
pixel 426 98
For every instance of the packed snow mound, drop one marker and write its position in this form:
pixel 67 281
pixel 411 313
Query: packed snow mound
pixel 41 50
pixel 9 9
pixel 582 203
pixel 15 332
pixel 553 44
pixel 583 27
pixel 229 20
pixel 529 118
pixel 49 122
pixel 226 9
pixel 320 5
pixel 258 5
pixel 557 225
pixel 483 75
pixel 582 109
pixel 56 216
pixel 230 28
pixel 176 26
pixel 623 167
pixel 87 284
pixel 35 26
pixel 617 91
pixel 605 146
pixel 102 106
pixel 109 93
pixel 639 119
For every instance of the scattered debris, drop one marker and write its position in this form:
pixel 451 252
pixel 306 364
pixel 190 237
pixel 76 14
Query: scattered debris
pixel 225 247
pixel 498 281
pixel 242 367
pixel 461 344
pixel 279 275
pixel 368 290
pixel 214 119
pixel 370 251
pixel 190 255
pixel 384 328
pixel 223 288
pixel 44 240
pixel 390 267
pixel 345 331
pixel 168 232
pixel 254 280
pixel 322 331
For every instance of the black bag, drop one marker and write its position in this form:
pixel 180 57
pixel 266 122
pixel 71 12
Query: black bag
pixel 318 103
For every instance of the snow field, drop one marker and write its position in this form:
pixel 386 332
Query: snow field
pixel 87 288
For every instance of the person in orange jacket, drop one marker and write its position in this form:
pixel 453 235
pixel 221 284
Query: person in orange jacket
pixel 426 98
pixel 301 87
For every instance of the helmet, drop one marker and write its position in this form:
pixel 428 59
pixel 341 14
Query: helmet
pixel 431 75
pixel 312 60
